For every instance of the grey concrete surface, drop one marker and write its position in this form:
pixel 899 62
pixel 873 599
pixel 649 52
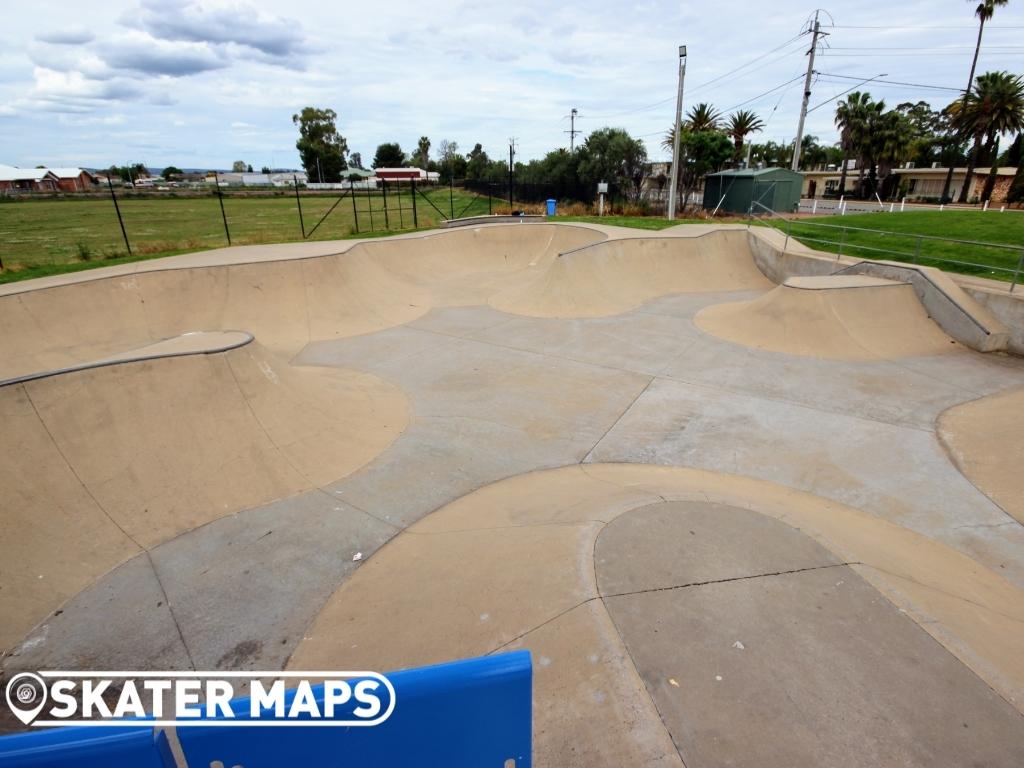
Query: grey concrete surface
pixel 809 667
pixel 234 594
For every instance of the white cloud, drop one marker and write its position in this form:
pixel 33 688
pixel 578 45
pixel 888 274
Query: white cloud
pixel 467 71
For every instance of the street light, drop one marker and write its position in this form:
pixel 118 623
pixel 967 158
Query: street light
pixel 677 130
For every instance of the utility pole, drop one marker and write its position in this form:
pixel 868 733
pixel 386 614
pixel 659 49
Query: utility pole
pixel 807 93
pixel 511 168
pixel 677 130
pixel 572 128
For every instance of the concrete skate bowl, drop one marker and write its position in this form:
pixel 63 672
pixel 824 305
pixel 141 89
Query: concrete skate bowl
pixel 353 464
pixel 125 427
pixel 834 317
pixel 102 463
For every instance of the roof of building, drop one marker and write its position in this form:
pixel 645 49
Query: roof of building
pixel 71 173
pixel 744 172
pixel 1005 170
pixel 9 173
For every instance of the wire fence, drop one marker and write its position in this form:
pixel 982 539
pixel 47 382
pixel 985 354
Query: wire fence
pixel 46 234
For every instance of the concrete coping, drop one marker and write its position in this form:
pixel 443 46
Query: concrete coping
pixel 191 343
pixel 837 282
pixel 495 218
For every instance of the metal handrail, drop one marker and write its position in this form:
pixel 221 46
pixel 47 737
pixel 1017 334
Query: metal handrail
pixel 914 257
pixel 904 234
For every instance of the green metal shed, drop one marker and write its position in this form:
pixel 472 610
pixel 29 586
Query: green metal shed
pixel 739 191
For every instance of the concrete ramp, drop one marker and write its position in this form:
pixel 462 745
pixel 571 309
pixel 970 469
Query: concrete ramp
pixel 614 276
pixel 98 464
pixel 837 317
pixel 985 439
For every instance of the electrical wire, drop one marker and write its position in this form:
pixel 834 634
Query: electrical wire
pixel 761 95
pixel 895 82
pixel 699 86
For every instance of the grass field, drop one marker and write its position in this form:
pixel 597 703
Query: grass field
pixel 897 238
pixel 44 237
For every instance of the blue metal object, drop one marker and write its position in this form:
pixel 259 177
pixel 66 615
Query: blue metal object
pixel 86 747
pixel 463 714
pixel 551 207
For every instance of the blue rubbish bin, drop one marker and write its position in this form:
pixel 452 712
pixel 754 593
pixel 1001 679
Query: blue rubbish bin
pixel 551 207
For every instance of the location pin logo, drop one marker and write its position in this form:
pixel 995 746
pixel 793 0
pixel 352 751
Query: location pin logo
pixel 26 696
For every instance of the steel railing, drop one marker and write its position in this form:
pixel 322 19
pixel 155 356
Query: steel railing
pixel 917 243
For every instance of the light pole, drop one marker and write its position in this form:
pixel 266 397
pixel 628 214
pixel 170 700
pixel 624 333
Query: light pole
pixel 677 130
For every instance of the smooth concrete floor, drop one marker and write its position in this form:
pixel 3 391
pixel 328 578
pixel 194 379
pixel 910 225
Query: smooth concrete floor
pixel 494 396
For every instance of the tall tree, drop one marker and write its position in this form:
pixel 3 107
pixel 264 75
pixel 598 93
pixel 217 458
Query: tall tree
pixel 477 163
pixel 612 155
pixel 389 155
pixel 423 152
pixel 321 148
pixel 851 120
pixel 994 106
pixel 704 153
pixel 985 11
pixel 703 117
pixel 740 125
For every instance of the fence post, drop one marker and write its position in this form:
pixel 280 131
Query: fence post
pixel 401 218
pixel 352 194
pixel 220 197
pixel 124 232
pixel 842 241
pixel 384 188
pixel 917 250
pixel 1017 271
pixel 489 198
pixel 415 217
pixel 298 201
pixel 451 191
pixel 784 247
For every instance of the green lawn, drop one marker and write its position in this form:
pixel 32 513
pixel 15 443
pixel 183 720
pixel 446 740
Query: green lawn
pixel 896 238
pixel 43 237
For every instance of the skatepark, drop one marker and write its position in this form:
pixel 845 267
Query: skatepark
pixel 744 504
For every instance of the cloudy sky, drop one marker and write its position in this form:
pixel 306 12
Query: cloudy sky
pixel 200 83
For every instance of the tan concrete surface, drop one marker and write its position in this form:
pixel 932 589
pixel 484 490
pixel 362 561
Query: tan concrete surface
pixel 985 437
pixel 971 610
pixel 445 587
pixel 151 449
pixel 613 276
pixel 832 317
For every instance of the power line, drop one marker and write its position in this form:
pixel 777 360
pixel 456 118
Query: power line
pixel 911 27
pixel 895 82
pixel 708 82
pixel 760 95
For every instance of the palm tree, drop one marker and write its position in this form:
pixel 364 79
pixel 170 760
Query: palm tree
pixel 703 117
pixel 986 10
pixel 892 138
pixel 851 120
pixel 994 106
pixel 740 125
pixel 423 151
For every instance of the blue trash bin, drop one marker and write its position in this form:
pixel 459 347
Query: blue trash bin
pixel 551 207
